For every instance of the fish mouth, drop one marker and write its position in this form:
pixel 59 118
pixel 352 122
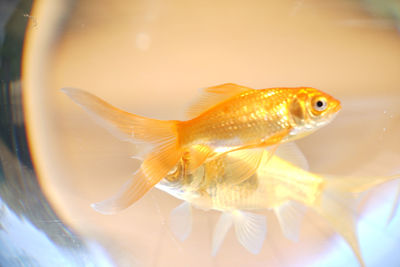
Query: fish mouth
pixel 337 107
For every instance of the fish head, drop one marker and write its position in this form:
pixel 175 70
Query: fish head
pixel 311 109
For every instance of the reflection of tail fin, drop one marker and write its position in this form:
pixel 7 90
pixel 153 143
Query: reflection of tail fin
pixel 163 135
pixel 338 208
pixel 337 204
pixel 395 206
pixel 360 184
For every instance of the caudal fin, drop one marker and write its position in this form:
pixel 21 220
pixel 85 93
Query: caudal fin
pixel 338 208
pixel 129 193
pixel 162 135
pixel 155 167
pixel 358 184
pixel 354 184
pixel 395 206
pixel 125 125
pixel 337 204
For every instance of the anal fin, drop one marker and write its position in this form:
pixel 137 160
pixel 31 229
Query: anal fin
pixel 221 229
pixel 180 221
pixel 290 215
pixel 251 230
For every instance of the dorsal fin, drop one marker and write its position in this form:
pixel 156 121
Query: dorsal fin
pixel 214 95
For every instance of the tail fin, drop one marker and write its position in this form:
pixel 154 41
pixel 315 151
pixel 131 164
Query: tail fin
pixel 163 135
pixel 395 206
pixel 125 125
pixel 130 192
pixel 154 168
pixel 338 208
pixel 359 184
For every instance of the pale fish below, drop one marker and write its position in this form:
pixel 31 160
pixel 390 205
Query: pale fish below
pixel 227 118
pixel 286 188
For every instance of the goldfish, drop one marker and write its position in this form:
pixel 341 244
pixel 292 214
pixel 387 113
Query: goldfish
pixel 281 184
pixel 227 118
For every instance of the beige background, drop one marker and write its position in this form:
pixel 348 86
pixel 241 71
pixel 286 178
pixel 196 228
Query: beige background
pixel 150 57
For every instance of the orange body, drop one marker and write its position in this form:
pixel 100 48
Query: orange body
pixel 258 117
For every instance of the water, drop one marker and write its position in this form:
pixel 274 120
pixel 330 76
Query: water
pixel 150 58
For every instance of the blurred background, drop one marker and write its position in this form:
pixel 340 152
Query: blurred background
pixel 150 57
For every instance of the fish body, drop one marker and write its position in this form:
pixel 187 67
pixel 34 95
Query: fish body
pixel 280 185
pixel 259 117
pixel 275 182
pixel 227 118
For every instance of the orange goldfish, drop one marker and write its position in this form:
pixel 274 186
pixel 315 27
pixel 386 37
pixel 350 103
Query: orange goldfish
pixel 283 185
pixel 228 117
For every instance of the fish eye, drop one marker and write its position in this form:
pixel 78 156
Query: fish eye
pixel 320 104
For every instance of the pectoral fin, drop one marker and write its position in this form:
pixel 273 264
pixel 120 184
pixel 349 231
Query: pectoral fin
pixel 195 156
pixel 251 230
pixel 180 221
pixel 242 164
pixel 290 215
pixel 273 143
pixel 292 153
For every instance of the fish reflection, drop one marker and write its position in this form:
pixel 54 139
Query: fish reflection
pixel 227 118
pixel 282 184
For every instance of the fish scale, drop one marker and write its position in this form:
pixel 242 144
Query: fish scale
pixel 230 120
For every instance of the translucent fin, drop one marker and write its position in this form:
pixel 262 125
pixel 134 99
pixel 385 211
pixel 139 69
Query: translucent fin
pixel 130 192
pixel 214 95
pixel 221 229
pixel 290 215
pixel 159 162
pixel 242 164
pixel 273 143
pixel 125 125
pixel 395 206
pixel 196 156
pixel 292 153
pixel 180 221
pixel 270 152
pixel 357 184
pixel 250 229
pixel 338 208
